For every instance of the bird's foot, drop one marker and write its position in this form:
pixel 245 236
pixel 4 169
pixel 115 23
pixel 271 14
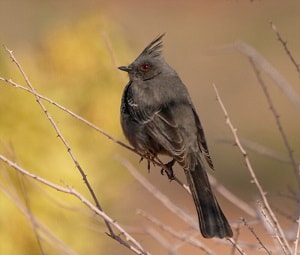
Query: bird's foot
pixel 149 157
pixel 168 169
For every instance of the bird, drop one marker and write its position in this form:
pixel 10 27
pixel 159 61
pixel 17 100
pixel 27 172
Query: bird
pixel 158 118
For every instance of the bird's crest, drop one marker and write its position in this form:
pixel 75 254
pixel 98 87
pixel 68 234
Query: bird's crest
pixel 154 48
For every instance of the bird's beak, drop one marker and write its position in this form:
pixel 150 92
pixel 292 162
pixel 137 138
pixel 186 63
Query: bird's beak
pixel 125 68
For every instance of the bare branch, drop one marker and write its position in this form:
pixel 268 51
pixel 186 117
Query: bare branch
pixel 112 53
pixel 32 220
pixel 74 115
pixel 180 236
pixel 284 44
pixel 130 242
pixel 231 197
pixel 260 149
pixel 253 176
pixel 43 229
pixel 256 236
pixel 155 161
pixel 59 134
pixel 278 79
pixel 278 122
pixel 235 238
pixel 236 245
pixel 271 227
pixel 161 240
pixel 297 237
pixel 160 196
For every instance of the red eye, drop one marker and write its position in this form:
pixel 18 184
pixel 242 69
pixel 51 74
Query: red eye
pixel 145 67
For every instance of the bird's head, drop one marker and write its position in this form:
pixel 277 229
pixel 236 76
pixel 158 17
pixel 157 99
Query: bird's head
pixel 149 63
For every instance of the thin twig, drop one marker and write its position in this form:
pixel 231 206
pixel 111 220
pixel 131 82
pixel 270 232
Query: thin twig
pixel 232 197
pixel 284 44
pixel 174 178
pixel 253 176
pixel 236 237
pixel 278 79
pixel 260 149
pixel 256 236
pixel 57 243
pixel 131 243
pixel 74 115
pixel 157 194
pixel 161 240
pixel 237 246
pixel 180 236
pixel 111 53
pixel 155 161
pixel 59 134
pixel 297 237
pixel 270 227
pixel 30 215
pixel 278 122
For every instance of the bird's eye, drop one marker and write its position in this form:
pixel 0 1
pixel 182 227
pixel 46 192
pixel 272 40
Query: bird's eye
pixel 145 67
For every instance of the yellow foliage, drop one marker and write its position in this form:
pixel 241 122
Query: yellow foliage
pixel 74 67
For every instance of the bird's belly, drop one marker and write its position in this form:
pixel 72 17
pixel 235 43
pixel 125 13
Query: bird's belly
pixel 139 138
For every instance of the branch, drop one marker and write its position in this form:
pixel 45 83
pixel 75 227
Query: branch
pixel 180 236
pixel 256 236
pixel 271 227
pixel 158 195
pixel 155 161
pixel 278 122
pixel 232 197
pixel 58 243
pixel 284 44
pixel 130 242
pixel 59 134
pixel 260 149
pixel 297 237
pixel 251 171
pixel 235 244
pixel 278 79
pixel 162 241
pixel 30 216
pixel 235 238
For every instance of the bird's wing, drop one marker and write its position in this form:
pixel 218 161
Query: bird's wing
pixel 202 141
pixel 160 125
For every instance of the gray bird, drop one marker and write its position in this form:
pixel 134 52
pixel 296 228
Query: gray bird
pixel 158 117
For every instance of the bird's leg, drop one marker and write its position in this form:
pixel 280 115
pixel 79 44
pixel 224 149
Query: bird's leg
pixel 149 157
pixel 168 169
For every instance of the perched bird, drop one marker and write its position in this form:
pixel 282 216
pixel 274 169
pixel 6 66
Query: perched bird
pixel 158 117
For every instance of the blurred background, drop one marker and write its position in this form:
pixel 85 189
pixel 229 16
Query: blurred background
pixel 70 50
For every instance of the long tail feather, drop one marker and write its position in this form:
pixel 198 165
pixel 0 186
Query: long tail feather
pixel 212 221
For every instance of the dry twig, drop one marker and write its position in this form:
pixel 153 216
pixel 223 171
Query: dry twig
pixel 278 79
pixel 45 232
pixel 260 149
pixel 284 44
pixel 232 197
pixel 297 237
pixel 278 122
pixel 256 236
pixel 130 242
pixel 155 161
pixel 180 236
pixel 162 241
pixel 59 134
pixel 280 232
pixel 237 247
pixel 160 196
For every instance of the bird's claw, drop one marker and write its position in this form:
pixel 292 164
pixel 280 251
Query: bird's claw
pixel 149 157
pixel 168 169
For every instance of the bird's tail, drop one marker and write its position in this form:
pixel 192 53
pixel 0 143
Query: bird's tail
pixel 212 221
